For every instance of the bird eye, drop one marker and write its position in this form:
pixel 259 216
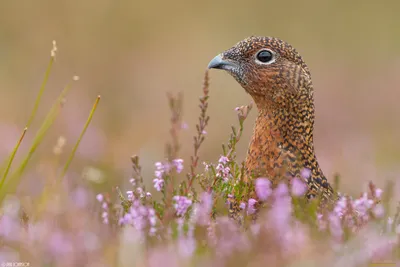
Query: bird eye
pixel 265 56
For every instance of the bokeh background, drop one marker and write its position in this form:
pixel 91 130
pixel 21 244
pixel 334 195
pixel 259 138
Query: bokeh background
pixel 133 52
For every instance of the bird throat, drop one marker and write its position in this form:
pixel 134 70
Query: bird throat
pixel 282 142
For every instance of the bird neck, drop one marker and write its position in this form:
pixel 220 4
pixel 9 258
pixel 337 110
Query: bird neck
pixel 282 140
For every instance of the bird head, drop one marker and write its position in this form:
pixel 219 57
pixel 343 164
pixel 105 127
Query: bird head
pixel 267 68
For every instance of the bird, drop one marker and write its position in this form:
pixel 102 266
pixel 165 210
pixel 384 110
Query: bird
pixel 279 81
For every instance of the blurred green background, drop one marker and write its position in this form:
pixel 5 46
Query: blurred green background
pixel 133 52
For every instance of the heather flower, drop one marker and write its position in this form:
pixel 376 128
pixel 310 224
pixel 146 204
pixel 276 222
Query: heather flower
pixel 223 172
pixel 335 226
pixel 130 195
pixel 251 209
pixel 281 190
pixel 187 246
pixel 139 190
pixel 206 166
pixel 178 163
pixel 100 197
pixel 104 216
pixel 242 205
pixel 158 184
pixel 305 173
pixel 263 188
pixel 161 169
pixel 378 193
pixel 281 212
pixel 181 205
pixel 299 188
pixel 363 204
pixel 378 211
pixel 132 181
pixel 223 160
pixel 340 207
pixel 202 210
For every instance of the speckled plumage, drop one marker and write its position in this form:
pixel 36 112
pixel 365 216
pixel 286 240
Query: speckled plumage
pixel 282 143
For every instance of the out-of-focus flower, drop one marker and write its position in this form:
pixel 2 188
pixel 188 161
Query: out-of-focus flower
pixel 100 197
pixel 299 188
pixel 202 210
pixel 178 163
pixel 158 184
pixel 335 226
pixel 251 209
pixel 130 195
pixel 305 173
pixel 223 160
pixel 378 211
pixel 223 172
pixel 181 205
pixel 378 193
pixel 263 188
pixel 281 190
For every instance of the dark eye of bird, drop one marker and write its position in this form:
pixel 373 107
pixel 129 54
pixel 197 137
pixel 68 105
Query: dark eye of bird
pixel 265 56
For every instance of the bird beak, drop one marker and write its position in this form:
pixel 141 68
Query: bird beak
pixel 219 63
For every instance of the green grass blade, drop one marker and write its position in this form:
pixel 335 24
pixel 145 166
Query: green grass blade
pixel 11 158
pixel 13 182
pixel 71 156
pixel 37 101
pixel 40 94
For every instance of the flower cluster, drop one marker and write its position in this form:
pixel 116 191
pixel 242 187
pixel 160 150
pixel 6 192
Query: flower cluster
pixel 141 217
pixel 163 169
pixel 181 205
pixel 223 171
pixel 104 205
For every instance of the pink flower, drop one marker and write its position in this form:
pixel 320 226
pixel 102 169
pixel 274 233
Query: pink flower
pixel 305 173
pixel 223 160
pixel 178 163
pixel 378 193
pixel 181 205
pixel 251 209
pixel 100 197
pixel 281 190
pixel 158 184
pixel 299 188
pixel 263 188
pixel 378 211
pixel 223 172
pixel 203 209
pixel 130 195
pixel 335 226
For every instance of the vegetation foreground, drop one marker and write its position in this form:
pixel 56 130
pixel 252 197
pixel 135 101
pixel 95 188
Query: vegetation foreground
pixel 184 221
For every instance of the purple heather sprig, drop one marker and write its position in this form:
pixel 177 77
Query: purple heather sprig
pixel 163 169
pixel 223 171
pixel 181 205
pixel 202 210
pixel 299 188
pixel 104 206
pixel 263 188
pixel 251 206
